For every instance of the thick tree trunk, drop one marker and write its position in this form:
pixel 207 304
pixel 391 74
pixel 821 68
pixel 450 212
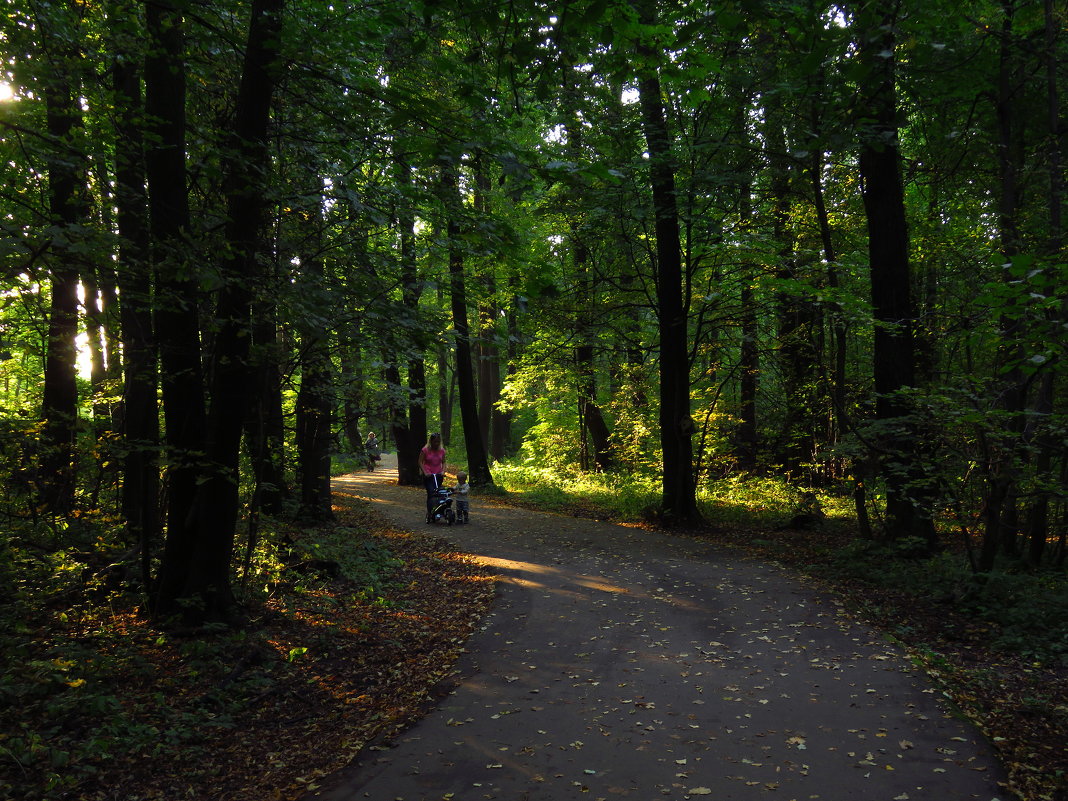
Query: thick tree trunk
pixel 477 464
pixel 140 412
pixel 487 377
pixel 313 414
pixel 218 501
pixel 202 569
pixel 1038 516
pixel 894 358
pixel 265 426
pixel 679 504
pixel 176 302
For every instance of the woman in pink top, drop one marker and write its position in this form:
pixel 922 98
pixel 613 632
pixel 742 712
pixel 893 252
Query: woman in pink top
pixel 432 466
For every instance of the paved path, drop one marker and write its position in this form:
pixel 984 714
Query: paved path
pixel 623 664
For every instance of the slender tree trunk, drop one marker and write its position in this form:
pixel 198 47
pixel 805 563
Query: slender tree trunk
pixel 797 358
pixel 1007 456
pixel 679 503
pixel 748 444
pixel 894 356
pixel 94 330
pixel 313 415
pixel 477 463
pixel 594 428
pixel 446 377
pixel 351 387
pixel 410 438
pixel 69 210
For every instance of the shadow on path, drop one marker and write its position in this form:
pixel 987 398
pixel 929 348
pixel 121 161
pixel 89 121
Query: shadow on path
pixel 619 663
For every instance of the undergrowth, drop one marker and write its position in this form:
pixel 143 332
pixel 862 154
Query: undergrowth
pixel 72 636
pixel 752 502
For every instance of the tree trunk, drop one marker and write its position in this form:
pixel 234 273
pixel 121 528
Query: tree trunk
pixel 1038 515
pixel 679 503
pixel 907 512
pixel 206 576
pixel 265 426
pixel 313 413
pixel 446 377
pixel 1008 457
pixel 410 438
pixel 68 207
pixel 351 387
pixel 477 464
pixel 594 429
pixel 748 439
pixel 176 302
pixel 140 412
pixel 218 502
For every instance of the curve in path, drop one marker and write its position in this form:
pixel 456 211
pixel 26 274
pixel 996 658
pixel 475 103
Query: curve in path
pixel 619 663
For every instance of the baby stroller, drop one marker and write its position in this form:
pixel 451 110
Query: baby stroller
pixel 441 510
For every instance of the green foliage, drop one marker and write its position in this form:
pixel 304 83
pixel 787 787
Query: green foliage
pixel 1026 611
pixel 763 501
pixel 613 496
pixel 747 502
pixel 361 560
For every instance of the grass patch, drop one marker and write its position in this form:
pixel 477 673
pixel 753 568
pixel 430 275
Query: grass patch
pixel 603 496
pixel 752 502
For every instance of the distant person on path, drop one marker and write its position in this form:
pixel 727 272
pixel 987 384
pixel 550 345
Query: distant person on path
pixel 432 467
pixel 463 494
pixel 373 450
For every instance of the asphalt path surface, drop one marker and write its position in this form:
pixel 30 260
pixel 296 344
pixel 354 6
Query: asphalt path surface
pixel 619 663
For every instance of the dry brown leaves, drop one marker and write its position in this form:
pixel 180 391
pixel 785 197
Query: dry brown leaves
pixel 370 668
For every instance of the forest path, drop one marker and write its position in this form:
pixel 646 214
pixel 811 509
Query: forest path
pixel 619 663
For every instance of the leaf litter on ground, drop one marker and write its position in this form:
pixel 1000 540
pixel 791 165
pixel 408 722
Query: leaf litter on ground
pixel 320 673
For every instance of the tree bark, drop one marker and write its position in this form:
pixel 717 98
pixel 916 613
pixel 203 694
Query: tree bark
pixel 202 570
pixel 176 303
pixel 477 463
pixel 1007 454
pixel 410 438
pixel 679 500
pixel 218 501
pixel 68 207
pixel 265 426
pixel 140 412
pixel 894 356
pixel 313 415
pixel 594 428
